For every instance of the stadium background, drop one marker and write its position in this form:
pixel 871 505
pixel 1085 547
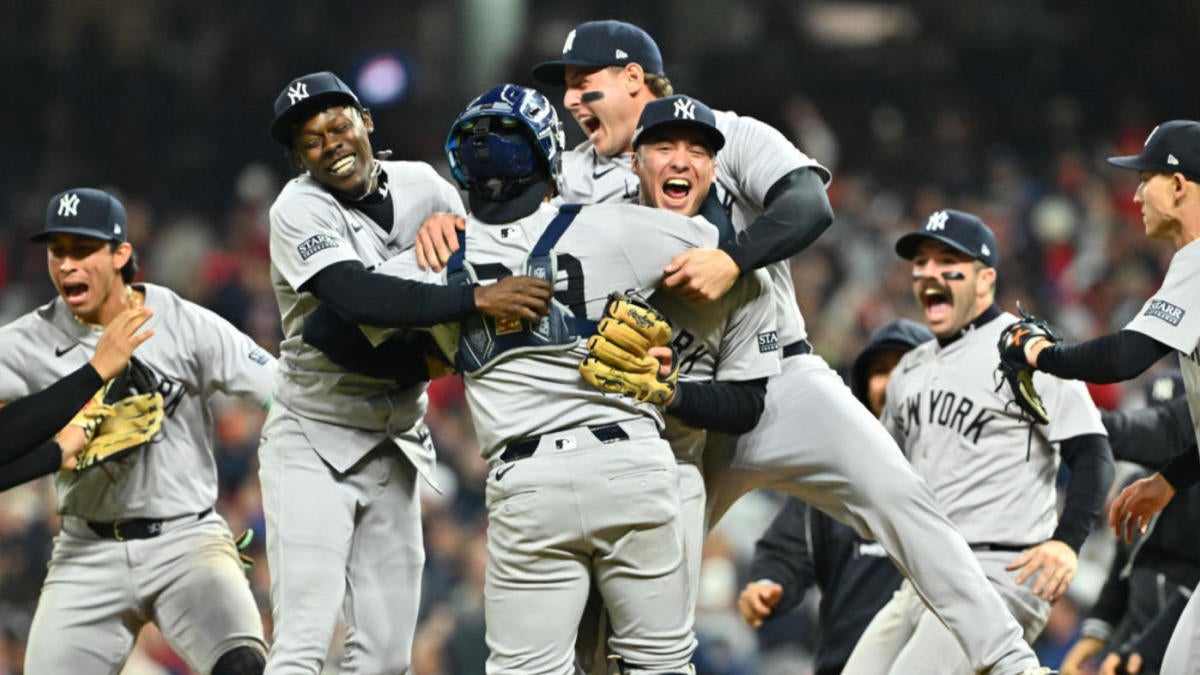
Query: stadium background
pixel 1005 109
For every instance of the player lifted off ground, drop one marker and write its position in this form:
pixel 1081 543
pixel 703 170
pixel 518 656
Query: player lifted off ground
pixel 990 466
pixel 140 540
pixel 341 452
pixel 1169 195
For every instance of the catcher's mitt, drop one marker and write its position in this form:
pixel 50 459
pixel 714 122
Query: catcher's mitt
pixel 1014 364
pixel 618 360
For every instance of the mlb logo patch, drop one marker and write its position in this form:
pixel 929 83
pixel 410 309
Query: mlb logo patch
pixel 507 326
pixel 768 342
pixel 1161 309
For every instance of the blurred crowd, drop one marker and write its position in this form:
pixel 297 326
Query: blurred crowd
pixel 1072 250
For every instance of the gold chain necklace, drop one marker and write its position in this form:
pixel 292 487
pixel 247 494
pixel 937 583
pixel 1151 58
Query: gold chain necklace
pixel 131 300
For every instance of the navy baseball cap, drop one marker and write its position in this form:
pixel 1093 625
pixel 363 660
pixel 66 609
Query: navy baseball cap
pixel 306 96
pixel 959 230
pixel 596 44
pixel 86 212
pixel 1173 147
pixel 678 111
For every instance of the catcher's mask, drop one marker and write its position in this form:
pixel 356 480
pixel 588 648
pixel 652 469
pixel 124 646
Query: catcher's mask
pixel 503 148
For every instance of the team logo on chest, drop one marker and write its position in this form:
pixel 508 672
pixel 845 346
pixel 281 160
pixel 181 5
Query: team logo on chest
pixel 948 409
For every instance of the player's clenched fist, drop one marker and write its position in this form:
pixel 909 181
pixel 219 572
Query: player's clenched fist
pixel 757 601
pixel 517 297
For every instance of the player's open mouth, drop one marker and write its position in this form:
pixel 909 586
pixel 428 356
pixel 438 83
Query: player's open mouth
pixel 75 294
pixel 343 166
pixel 590 125
pixel 936 302
pixel 677 188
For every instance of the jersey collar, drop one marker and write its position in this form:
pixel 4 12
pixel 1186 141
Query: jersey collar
pixel 985 316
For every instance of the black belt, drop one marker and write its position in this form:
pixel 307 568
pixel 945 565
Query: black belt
pixel 1012 548
pixel 797 348
pixel 605 433
pixel 134 528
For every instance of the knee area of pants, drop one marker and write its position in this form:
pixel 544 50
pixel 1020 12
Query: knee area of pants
pixel 626 668
pixel 241 660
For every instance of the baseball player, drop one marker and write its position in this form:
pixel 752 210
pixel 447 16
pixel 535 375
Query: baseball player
pixel 582 487
pixel 990 467
pixel 25 452
pixel 1169 196
pixel 834 455
pixel 140 540
pixel 341 452
pixel 803 547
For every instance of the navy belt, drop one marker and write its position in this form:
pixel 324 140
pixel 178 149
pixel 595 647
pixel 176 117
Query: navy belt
pixel 605 433
pixel 134 528
pixel 797 348
pixel 1011 548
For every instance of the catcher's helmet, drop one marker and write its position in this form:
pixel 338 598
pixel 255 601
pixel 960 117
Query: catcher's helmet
pixel 503 142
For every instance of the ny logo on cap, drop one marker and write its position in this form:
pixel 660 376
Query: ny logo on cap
pixel 570 41
pixel 938 222
pixel 68 205
pixel 685 109
pixel 297 92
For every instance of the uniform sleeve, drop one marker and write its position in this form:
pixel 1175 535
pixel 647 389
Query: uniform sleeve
pixel 1092 471
pixel 649 239
pixel 750 344
pixel 306 237
pixel 231 362
pixel 783 555
pixel 1172 316
pixel 418 191
pixel 33 420
pixel 756 156
pixel 1072 412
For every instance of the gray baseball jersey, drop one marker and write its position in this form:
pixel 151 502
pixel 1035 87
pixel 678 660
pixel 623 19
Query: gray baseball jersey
pixel 754 158
pixel 732 339
pixel 585 506
pixel 341 452
pixel 1172 316
pixel 92 605
pixel 610 247
pixel 991 473
pixel 832 453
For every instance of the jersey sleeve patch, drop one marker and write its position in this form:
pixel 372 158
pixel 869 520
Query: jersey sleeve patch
pixel 259 356
pixel 315 244
pixel 1161 309
pixel 768 342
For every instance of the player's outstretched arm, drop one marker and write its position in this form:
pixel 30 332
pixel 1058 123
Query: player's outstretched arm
pixel 1081 651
